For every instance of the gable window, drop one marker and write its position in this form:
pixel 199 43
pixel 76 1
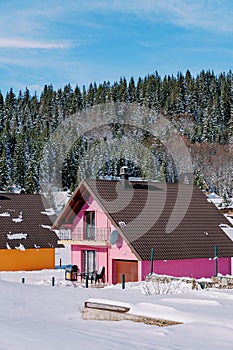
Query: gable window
pixel 89 260
pixel 90 225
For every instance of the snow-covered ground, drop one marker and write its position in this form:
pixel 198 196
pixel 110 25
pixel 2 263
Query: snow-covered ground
pixel 35 315
pixel 63 255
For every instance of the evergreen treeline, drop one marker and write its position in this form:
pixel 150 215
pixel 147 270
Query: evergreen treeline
pixel 200 107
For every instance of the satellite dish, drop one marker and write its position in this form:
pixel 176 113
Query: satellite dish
pixel 114 237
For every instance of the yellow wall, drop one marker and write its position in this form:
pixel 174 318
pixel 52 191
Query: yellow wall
pixel 27 260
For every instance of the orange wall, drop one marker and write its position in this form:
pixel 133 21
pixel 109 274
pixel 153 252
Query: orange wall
pixel 27 260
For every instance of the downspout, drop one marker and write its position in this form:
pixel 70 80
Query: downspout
pixel 107 274
pixel 107 267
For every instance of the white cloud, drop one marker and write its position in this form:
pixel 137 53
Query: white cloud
pixel 15 43
pixel 210 14
pixel 214 15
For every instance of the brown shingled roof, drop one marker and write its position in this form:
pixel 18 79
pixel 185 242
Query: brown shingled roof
pixel 32 230
pixel 142 214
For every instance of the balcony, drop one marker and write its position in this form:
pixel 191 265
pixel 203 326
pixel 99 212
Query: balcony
pixel 100 236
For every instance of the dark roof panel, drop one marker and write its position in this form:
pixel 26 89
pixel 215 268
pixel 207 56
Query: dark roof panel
pixel 25 219
pixel 175 219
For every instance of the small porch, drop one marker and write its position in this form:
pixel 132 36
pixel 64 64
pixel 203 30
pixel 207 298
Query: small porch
pixel 96 277
pixel 90 259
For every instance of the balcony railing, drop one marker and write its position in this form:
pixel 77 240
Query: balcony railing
pixel 99 234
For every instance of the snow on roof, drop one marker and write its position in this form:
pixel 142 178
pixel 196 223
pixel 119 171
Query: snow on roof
pixel 227 228
pixel 229 231
pixel 17 219
pixel 46 226
pixel 17 236
pixel 49 211
pixel 20 247
pixel 5 214
pixel 230 218
pixel 213 195
pixel 218 201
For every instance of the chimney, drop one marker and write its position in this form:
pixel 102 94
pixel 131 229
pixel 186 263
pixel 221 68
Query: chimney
pixel 124 174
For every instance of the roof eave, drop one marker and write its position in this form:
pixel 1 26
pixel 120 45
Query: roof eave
pixel 66 210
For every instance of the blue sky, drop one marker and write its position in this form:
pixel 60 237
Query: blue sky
pixel 79 41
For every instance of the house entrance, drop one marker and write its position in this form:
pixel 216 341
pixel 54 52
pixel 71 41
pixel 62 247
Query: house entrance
pixel 89 261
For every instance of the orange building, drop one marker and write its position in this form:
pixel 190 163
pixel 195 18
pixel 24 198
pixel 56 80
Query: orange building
pixel 26 241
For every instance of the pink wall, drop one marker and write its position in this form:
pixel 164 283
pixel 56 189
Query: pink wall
pixel 195 268
pixel 105 255
pixel 101 219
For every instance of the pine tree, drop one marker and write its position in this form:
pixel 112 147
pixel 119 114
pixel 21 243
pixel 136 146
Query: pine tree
pixel 32 177
pixel 132 90
pixel 19 161
pixel 4 171
pixel 123 91
pixel 199 180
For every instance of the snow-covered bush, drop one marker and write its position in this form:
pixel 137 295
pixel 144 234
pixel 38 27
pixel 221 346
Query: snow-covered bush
pixel 165 287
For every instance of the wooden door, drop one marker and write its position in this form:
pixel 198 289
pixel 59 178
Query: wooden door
pixel 127 267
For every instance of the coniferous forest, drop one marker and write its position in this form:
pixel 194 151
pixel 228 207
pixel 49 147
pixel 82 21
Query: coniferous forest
pixel 200 107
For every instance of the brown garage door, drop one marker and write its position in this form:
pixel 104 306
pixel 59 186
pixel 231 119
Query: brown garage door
pixel 128 268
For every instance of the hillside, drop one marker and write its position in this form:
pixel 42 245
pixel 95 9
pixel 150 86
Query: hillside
pixel 200 108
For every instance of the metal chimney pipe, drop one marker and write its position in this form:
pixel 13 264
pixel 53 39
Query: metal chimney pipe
pixel 124 174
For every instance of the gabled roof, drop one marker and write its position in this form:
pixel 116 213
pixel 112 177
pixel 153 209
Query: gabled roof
pixel 25 222
pixel 157 215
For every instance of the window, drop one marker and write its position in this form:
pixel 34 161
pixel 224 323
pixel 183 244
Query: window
pixel 89 260
pixel 90 225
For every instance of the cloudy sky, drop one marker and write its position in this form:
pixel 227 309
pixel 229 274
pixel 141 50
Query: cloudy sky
pixel 78 41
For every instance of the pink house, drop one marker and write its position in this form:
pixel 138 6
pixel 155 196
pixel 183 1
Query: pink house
pixel 116 224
